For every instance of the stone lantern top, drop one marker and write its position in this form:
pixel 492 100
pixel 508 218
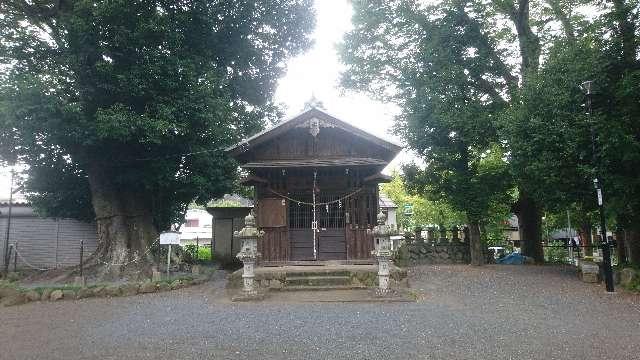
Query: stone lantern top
pixel 382 229
pixel 249 230
pixel 250 220
pixel 382 218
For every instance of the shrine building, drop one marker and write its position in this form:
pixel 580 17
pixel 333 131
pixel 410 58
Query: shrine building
pixel 316 188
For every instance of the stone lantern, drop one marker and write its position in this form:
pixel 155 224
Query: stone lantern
pixel 249 253
pixel 382 236
pixel 431 235
pixel 443 235
pixel 455 237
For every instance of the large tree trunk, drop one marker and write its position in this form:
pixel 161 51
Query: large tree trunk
pixel 585 238
pixel 621 235
pixel 124 223
pixel 633 246
pixel 530 224
pixel 475 244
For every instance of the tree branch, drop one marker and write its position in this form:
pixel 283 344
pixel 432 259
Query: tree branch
pixel 567 25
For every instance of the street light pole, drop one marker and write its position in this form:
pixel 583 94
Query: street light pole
pixel 587 86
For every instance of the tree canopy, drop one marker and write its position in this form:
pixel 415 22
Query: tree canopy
pixel 122 109
pixel 490 99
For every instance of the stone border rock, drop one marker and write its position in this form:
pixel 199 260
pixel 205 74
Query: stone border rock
pixel 12 295
pixel 629 278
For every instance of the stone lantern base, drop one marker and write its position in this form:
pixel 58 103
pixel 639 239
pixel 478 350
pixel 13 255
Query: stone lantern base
pixel 255 295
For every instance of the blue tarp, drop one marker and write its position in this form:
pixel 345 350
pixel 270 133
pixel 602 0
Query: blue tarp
pixel 511 259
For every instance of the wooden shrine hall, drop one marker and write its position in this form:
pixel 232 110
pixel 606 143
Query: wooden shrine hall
pixel 316 187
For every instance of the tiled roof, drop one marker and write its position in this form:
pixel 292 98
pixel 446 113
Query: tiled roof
pixel 386 203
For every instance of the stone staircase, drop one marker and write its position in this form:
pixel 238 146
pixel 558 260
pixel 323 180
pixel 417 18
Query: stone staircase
pixel 316 278
pixel 306 281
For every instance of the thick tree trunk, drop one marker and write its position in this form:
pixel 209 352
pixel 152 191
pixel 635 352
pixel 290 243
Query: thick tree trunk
pixel 621 235
pixel 124 223
pixel 475 244
pixel 530 223
pixel 585 238
pixel 633 245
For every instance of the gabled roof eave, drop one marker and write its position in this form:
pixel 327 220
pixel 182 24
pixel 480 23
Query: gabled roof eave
pixel 282 126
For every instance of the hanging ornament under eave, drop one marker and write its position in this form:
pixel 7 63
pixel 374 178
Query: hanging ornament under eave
pixel 314 127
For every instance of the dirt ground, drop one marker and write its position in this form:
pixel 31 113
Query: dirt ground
pixel 463 312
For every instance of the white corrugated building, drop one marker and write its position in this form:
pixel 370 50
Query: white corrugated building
pixel 43 243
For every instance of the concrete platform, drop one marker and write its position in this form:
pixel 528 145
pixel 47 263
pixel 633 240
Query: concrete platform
pixel 325 276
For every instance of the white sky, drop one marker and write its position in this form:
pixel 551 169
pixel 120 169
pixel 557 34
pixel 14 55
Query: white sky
pixel 317 72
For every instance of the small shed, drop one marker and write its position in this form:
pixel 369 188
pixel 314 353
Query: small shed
pixel 228 215
pixel 316 187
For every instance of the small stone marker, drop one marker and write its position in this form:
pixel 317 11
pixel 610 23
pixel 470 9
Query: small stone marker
pixel 589 271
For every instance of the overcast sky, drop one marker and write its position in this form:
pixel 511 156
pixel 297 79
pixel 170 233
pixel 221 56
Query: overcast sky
pixel 317 72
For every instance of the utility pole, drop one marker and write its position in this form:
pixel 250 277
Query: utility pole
pixel 6 243
pixel 587 86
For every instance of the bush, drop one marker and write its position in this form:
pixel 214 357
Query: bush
pixel 194 254
pixel 204 253
pixel 556 253
pixel 190 255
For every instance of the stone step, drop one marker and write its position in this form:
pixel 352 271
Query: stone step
pixel 303 273
pixel 321 287
pixel 318 280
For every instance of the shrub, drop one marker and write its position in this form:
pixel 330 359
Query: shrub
pixel 556 253
pixel 190 255
pixel 204 253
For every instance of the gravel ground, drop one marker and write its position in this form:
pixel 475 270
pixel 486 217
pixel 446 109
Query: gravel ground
pixel 464 313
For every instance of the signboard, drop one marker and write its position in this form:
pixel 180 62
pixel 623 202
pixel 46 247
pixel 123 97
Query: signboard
pixel 170 238
pixel 408 209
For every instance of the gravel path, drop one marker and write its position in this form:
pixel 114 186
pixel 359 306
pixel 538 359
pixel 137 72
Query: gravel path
pixel 465 313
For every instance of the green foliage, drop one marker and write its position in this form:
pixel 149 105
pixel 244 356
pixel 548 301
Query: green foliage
pixel 549 134
pixel 118 90
pixel 193 254
pixel 204 254
pixel 445 117
pixel 556 253
pixel 190 254
pixel 481 127
pixel 425 212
